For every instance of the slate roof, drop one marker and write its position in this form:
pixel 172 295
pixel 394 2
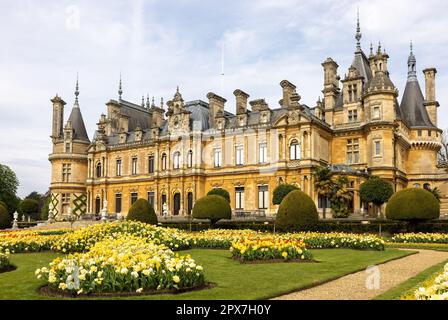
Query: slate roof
pixel 78 125
pixel 412 106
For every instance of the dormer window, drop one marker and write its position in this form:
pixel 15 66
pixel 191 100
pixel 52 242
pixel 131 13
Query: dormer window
pixel 376 113
pixel 352 116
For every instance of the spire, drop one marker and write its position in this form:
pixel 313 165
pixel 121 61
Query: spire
pixel 412 61
pixel 358 34
pixel 76 92
pixel 120 89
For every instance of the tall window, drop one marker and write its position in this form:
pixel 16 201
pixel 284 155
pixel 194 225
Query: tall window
pixel 355 92
pixel 377 148
pixel 294 150
pixel 218 158
pixel 118 202
pixel 118 166
pixel 353 116
pixel 263 197
pixel 263 152
pixel 134 196
pixel 239 198
pixel 376 113
pixel 164 161
pixel 151 198
pixel 190 159
pixel 151 164
pixel 98 170
pixel 352 151
pixel 67 147
pixel 350 93
pixel 419 133
pixel 176 160
pixel 239 155
pixel 66 172
pixel 134 165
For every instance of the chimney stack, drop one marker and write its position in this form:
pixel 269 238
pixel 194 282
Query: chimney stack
pixel 431 103
pixel 241 101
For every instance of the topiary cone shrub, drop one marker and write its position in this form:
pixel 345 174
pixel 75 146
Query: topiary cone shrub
pixel 212 207
pixel 220 192
pixel 296 212
pixel 5 219
pixel 281 191
pixel 143 212
pixel 413 205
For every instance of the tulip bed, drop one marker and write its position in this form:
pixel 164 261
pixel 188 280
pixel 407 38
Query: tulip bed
pixel 84 239
pixel 223 239
pixel 265 248
pixel 123 264
pixel 434 289
pixel 439 238
pixel 26 241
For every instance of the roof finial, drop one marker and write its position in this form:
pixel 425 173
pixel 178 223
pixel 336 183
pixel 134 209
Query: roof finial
pixel 412 62
pixel 147 101
pixel 379 47
pixel 412 48
pixel 143 101
pixel 371 49
pixel 161 102
pixel 76 91
pixel 358 34
pixel 120 89
pixel 153 104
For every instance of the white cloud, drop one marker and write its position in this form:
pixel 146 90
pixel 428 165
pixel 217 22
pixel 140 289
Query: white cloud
pixel 160 44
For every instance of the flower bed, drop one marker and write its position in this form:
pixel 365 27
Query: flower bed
pixel 435 289
pixel 124 264
pixel 419 238
pixel 4 262
pixel 218 238
pixel 84 239
pixel 264 248
pixel 316 240
pixel 26 241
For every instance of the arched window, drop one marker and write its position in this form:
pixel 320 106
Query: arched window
pixel 176 160
pixel 164 161
pixel 294 150
pixel 416 185
pixel 98 170
pixel 427 186
pixel 190 159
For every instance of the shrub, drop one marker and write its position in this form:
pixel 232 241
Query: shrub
pixel 29 207
pixel 296 210
pixel 220 192
pixel 212 207
pixel 376 191
pixel 281 191
pixel 413 205
pixel 143 212
pixel 5 219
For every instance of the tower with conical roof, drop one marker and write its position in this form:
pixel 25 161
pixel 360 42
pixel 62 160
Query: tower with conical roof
pixel 419 113
pixel 68 160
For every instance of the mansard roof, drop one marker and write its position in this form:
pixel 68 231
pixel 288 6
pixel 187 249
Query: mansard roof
pixel 78 126
pixel 412 106
pixel 138 115
pixel 361 63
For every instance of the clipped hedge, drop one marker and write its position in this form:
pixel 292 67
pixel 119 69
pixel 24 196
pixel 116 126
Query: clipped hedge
pixel 212 207
pixel 220 192
pixel 297 210
pixel 281 191
pixel 413 205
pixel 143 212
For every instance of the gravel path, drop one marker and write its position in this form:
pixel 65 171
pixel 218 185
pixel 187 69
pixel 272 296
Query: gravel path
pixel 355 286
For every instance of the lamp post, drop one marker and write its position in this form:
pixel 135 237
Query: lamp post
pixel 15 225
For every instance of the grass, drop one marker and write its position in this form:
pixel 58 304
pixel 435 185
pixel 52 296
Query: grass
pixel 409 286
pixel 233 280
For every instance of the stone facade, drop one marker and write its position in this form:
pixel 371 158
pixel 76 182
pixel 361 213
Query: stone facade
pixel 178 152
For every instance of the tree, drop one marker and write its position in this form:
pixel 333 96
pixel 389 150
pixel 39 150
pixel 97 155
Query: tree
pixel 212 207
pixel 5 219
pixel 376 191
pixel 29 207
pixel 8 188
pixel 323 184
pixel 297 210
pixel 341 197
pixel 281 191
pixel 220 192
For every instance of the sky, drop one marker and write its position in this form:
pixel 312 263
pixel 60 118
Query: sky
pixel 158 45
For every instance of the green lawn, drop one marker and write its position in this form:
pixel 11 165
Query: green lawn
pixel 233 280
pixel 412 284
